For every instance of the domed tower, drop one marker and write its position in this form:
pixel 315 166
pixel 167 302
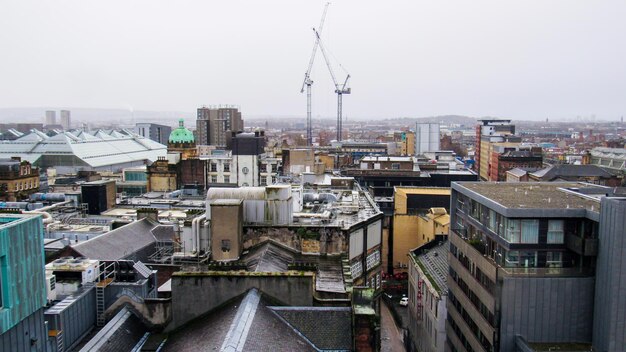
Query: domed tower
pixel 182 141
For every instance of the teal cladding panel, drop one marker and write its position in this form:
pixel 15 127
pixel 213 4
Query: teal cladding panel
pixel 22 265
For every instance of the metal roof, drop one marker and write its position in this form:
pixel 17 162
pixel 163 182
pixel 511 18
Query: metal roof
pixel 95 150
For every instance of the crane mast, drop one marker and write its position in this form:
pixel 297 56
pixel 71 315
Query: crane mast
pixel 340 89
pixel 308 82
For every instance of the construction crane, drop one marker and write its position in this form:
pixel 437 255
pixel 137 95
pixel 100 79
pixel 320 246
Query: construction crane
pixel 339 89
pixel 308 82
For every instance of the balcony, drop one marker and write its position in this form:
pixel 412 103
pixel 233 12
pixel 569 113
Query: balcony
pixel 475 252
pixel 547 272
pixel 582 246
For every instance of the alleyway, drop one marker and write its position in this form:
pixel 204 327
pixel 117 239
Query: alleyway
pixel 391 335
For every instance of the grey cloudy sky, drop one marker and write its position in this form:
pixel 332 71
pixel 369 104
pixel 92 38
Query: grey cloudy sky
pixel 528 59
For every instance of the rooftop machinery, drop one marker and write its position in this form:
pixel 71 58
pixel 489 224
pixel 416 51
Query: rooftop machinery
pixel 308 82
pixel 339 89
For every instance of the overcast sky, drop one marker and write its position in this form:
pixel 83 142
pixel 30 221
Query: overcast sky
pixel 527 59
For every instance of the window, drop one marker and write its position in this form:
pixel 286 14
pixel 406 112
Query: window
pixel 522 231
pixel 213 179
pixel 530 231
pixel 395 166
pixel 492 221
pixel 554 259
pixel 213 167
pixel 225 245
pixel 555 231
pixel 226 167
pixel 226 179
pixel 512 259
pixel 528 259
pixel 512 231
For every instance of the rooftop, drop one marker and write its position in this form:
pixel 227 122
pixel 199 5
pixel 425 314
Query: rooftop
pixel 538 195
pixel 432 258
pixel 251 323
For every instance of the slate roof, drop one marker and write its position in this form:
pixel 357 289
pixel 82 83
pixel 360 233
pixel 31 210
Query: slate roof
pixel 328 328
pixel 164 233
pixel 119 243
pixel 272 256
pixel 245 324
pixel 122 333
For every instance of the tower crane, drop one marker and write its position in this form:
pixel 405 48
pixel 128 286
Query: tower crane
pixel 308 82
pixel 339 89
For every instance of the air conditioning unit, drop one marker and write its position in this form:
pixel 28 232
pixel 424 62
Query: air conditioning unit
pixel 51 291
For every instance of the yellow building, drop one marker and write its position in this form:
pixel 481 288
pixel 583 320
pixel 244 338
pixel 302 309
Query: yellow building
pixel 408 143
pixel 419 215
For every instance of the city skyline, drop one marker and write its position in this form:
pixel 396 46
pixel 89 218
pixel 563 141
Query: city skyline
pixel 528 60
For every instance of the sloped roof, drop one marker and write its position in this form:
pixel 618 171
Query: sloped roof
pixel 244 324
pixel 97 150
pixel 328 328
pixel 517 172
pixel 568 171
pixel 122 333
pixel 119 243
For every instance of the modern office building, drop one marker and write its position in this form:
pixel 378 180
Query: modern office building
pixel 213 123
pixel 66 120
pixel 535 264
pixel 156 132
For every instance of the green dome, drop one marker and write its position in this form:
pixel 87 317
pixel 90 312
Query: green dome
pixel 181 134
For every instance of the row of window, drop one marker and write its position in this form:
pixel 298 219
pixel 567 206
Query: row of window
pixel 460 335
pixel 470 322
pixel 21 185
pixel 478 304
pixel 512 230
pixel 476 273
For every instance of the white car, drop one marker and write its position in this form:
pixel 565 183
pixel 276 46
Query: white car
pixel 404 301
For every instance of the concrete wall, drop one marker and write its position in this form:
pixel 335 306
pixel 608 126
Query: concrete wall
pixel 546 310
pixel 609 324
pixel 195 294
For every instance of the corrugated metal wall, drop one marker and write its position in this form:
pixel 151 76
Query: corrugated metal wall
pixel 74 316
pixel 546 310
pixel 609 326
pixel 28 335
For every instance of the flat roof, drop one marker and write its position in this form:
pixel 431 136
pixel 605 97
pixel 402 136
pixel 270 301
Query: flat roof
pixel 536 195
pixel 404 190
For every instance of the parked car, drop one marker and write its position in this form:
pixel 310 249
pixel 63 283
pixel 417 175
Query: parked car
pixel 404 301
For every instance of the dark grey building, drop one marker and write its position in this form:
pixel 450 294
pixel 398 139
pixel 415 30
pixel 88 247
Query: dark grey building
pixel 535 264
pixel 213 124
pixel 609 316
pixel 156 132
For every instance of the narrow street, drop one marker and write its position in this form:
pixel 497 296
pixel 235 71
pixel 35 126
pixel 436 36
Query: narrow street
pixel 391 335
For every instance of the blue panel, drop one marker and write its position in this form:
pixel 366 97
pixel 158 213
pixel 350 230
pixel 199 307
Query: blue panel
pixel 22 266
